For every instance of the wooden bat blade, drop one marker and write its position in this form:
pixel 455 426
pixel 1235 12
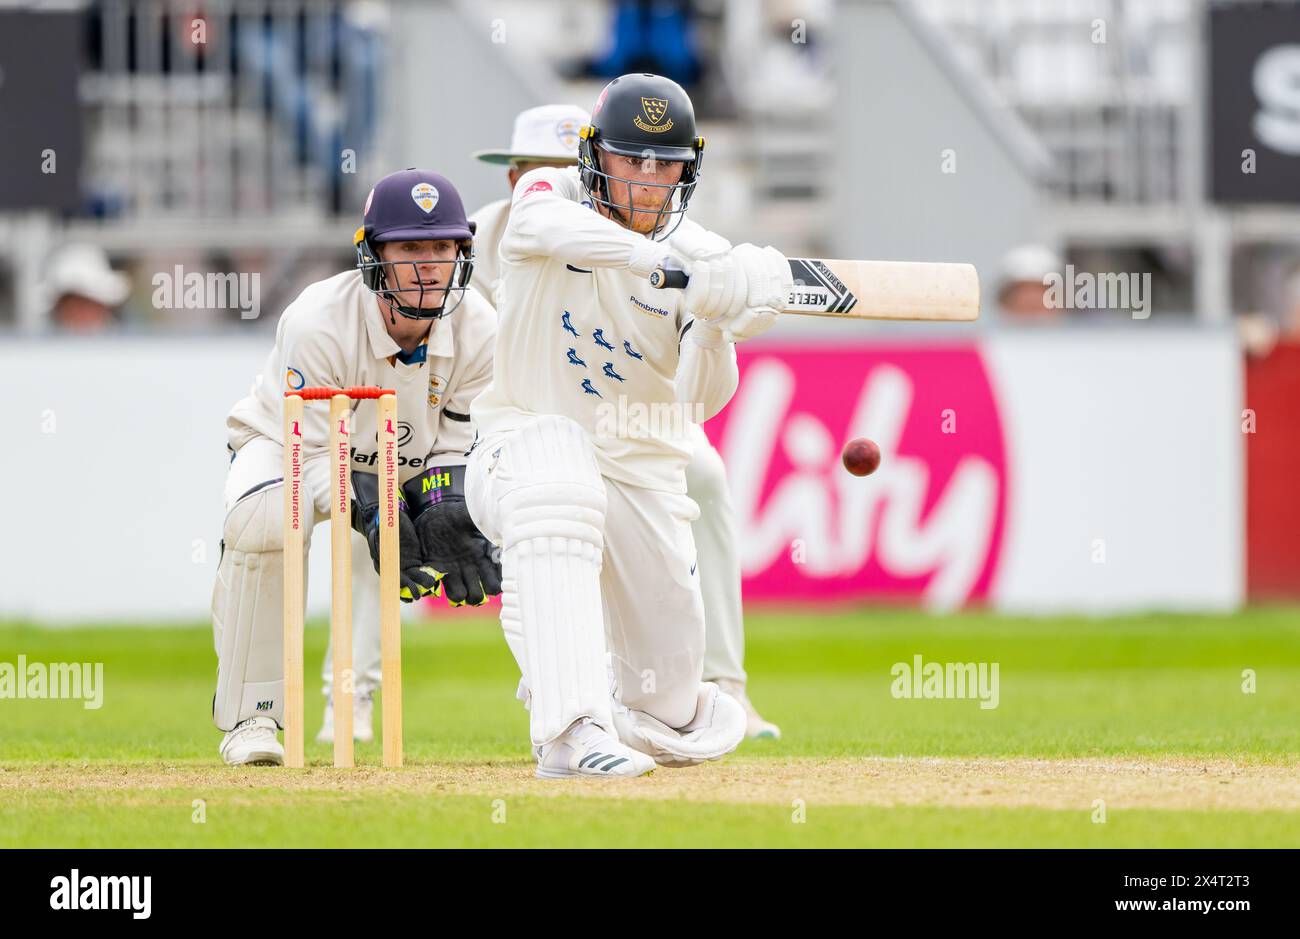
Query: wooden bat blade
pixel 871 290
pixel 884 290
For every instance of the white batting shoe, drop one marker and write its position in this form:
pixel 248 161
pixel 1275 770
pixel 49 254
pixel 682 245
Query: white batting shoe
pixel 253 743
pixel 587 750
pixel 363 719
pixel 755 727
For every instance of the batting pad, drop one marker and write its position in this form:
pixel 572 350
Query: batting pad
pixel 247 611
pixel 552 505
pixel 717 729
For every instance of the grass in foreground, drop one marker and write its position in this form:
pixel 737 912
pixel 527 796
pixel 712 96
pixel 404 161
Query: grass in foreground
pixel 1151 687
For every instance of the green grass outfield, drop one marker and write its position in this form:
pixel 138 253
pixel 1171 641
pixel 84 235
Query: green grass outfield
pixel 1146 714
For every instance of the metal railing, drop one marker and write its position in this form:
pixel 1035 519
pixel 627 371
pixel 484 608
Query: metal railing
pixel 1103 83
pixel 229 109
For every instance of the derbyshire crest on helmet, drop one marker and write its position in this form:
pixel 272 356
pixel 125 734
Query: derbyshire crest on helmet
pixel 425 196
pixel 654 109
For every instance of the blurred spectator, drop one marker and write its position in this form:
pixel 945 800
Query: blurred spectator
pixel 1291 304
pixel 313 68
pixel 1267 291
pixel 1022 291
pixel 649 36
pixel 791 70
pixel 83 290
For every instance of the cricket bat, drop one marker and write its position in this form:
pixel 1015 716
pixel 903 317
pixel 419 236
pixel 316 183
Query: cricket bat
pixel 871 290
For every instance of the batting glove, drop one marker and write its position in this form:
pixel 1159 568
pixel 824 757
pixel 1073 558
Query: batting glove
pixel 767 274
pixel 717 289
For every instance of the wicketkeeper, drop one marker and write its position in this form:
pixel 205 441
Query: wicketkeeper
pixel 403 319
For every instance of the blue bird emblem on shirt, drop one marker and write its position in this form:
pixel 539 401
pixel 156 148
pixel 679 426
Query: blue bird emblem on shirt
pixel 586 386
pixel 627 347
pixel 568 327
pixel 599 336
pixel 610 373
pixel 574 360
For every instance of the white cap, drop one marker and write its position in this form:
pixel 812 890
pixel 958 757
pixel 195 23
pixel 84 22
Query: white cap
pixel 548 134
pixel 1029 262
pixel 83 270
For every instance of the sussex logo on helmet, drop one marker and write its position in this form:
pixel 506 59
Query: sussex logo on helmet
pixel 655 109
pixel 425 196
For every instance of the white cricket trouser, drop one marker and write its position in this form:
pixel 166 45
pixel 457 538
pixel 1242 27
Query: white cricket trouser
pixel 367 655
pixel 537 480
pixel 719 570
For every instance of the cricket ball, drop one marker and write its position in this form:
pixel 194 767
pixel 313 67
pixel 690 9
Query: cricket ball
pixel 861 456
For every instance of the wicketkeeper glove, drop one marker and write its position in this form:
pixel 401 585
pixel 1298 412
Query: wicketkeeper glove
pixel 417 580
pixel 449 541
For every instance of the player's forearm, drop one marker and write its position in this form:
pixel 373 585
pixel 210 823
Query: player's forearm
pixel 554 227
pixel 707 375
pixel 692 241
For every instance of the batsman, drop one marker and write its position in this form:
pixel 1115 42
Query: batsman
pixel 600 592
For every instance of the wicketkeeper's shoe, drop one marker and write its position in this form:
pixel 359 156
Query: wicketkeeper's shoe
pixel 587 750
pixel 253 743
pixel 363 719
pixel 755 726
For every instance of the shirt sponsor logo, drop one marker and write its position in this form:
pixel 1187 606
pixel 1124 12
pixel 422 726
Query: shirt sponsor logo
pixel 540 186
pixel 647 308
pixel 372 459
pixel 293 378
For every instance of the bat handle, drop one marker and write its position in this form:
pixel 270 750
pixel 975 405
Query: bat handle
pixel 662 278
